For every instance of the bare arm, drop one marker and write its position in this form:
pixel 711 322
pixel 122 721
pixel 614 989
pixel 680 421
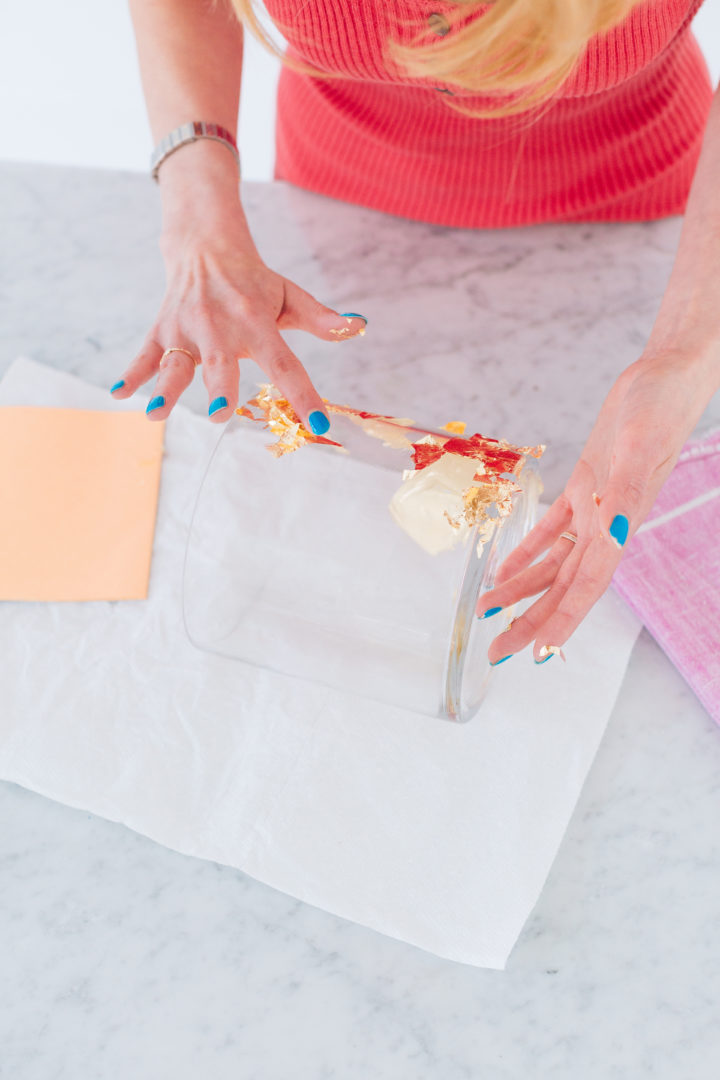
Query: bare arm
pixel 688 322
pixel 222 302
pixel 190 54
pixel 649 413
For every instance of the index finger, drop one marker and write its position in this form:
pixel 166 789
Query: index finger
pixel 286 372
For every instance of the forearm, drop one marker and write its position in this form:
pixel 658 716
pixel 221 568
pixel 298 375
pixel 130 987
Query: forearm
pixel 190 54
pixel 688 322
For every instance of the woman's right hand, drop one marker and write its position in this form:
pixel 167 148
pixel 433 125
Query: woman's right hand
pixel 223 303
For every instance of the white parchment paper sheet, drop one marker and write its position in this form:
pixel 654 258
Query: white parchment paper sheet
pixel 437 834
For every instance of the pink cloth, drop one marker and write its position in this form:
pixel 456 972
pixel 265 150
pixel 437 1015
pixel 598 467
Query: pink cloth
pixel 670 573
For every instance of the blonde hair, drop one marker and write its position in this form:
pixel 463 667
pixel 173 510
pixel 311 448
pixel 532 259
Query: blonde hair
pixel 522 48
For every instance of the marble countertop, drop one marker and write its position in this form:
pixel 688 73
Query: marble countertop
pixel 122 958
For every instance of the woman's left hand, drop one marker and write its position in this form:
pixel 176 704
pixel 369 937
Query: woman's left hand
pixel 643 424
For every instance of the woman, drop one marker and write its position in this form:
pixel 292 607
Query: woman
pixel 465 114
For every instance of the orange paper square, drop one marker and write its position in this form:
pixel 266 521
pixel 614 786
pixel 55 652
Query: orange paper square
pixel 78 492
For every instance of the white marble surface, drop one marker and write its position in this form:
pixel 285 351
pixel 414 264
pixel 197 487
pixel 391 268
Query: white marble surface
pixel 120 957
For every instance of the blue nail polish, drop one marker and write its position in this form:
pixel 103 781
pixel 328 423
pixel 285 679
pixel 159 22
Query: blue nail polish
pixel 353 315
pixel 155 403
pixel 501 661
pixel 619 528
pixel 318 422
pixel 545 658
pixel 217 404
pixel 117 385
pixel 490 611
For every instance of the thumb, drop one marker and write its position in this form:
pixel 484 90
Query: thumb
pixel 302 311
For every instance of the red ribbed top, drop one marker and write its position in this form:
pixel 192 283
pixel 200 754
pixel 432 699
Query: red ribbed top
pixel 620 141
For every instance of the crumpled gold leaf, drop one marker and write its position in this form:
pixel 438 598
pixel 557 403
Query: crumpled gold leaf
pixel 545 650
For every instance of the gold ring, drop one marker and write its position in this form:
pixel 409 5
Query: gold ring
pixel 570 536
pixel 178 348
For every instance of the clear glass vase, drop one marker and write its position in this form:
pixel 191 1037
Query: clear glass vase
pixel 297 564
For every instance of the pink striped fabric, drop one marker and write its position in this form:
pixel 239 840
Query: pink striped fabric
pixel 670 573
pixel 619 143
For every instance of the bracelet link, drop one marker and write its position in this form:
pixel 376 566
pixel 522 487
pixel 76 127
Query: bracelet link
pixel 188 133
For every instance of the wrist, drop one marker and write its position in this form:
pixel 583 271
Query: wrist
pixel 687 325
pixel 690 348
pixel 690 372
pixel 196 177
pixel 201 207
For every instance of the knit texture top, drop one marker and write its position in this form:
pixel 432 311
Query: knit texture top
pixel 619 141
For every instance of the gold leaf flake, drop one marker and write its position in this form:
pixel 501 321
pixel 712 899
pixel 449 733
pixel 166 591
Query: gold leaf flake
pixel 545 650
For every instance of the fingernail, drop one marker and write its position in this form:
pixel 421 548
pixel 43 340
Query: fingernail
pixel 353 315
pixel 501 661
pixel 217 404
pixel 155 403
pixel 619 529
pixel 318 422
pixel 117 385
pixel 489 612
pixel 548 657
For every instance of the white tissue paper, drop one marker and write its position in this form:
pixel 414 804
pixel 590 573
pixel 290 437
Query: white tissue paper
pixel 435 833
